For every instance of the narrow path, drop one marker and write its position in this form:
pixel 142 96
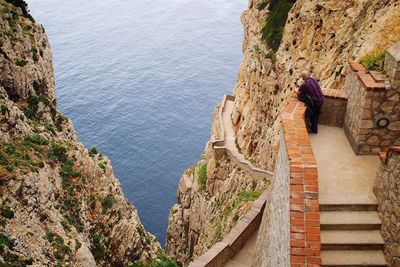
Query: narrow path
pixel 244 257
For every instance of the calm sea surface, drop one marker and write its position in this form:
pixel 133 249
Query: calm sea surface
pixel 140 80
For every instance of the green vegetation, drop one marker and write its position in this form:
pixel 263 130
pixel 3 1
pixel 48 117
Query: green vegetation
pixel 11 259
pixel 374 61
pixel 107 203
pixel 7 213
pixel 93 151
pixel 78 244
pixel 102 165
pixel 22 156
pixel 5 242
pixel 272 30
pixel 3 109
pixel 232 213
pixel 34 53
pixel 245 196
pixel 262 4
pixel 31 110
pixel 99 250
pixel 202 176
pixel 21 63
pixel 61 250
pixel 257 50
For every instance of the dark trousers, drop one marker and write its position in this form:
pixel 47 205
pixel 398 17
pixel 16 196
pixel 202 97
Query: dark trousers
pixel 312 117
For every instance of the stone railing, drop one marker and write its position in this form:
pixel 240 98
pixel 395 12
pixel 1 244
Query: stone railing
pixel 220 147
pixel 224 250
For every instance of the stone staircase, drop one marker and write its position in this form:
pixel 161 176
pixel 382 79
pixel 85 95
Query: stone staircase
pixel 350 235
pixel 350 226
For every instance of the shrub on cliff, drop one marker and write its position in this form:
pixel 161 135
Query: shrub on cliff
pixel 374 60
pixel 272 30
pixel 24 7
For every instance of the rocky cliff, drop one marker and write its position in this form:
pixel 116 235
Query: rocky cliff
pixel 281 38
pixel 59 202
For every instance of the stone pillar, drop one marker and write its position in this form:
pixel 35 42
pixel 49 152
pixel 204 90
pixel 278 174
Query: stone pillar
pixel 372 120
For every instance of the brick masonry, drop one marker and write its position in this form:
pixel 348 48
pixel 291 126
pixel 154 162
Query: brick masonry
pixel 305 236
pixel 387 191
pixel 369 100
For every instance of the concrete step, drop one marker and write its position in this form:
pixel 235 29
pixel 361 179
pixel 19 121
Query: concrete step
pixel 350 220
pixel 354 258
pixel 351 240
pixel 348 207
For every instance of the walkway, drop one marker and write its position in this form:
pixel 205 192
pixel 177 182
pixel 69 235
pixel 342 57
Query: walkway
pixel 228 139
pixel 244 257
pixel 350 227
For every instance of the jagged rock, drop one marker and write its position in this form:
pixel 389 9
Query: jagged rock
pixel 58 202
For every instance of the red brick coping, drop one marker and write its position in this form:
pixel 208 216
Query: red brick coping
pixel 371 80
pixel 305 237
pixel 384 155
pixel 333 93
pixel 226 249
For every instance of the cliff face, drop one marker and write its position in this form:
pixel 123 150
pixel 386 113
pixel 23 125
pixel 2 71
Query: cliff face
pixel 59 202
pixel 321 36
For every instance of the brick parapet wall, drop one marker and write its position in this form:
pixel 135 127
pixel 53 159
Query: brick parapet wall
pixel 305 237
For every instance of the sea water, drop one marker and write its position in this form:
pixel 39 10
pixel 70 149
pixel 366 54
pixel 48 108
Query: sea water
pixel 140 80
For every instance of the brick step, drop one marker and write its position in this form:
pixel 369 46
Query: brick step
pixel 348 207
pixel 350 220
pixel 353 258
pixel 351 240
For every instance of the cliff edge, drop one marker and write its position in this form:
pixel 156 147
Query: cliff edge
pixel 59 202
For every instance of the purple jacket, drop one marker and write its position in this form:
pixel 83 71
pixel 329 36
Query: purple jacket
pixel 311 88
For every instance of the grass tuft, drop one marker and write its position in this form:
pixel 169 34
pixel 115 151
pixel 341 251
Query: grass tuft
pixel 375 60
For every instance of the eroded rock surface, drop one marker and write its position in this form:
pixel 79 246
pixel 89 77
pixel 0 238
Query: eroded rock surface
pixel 59 203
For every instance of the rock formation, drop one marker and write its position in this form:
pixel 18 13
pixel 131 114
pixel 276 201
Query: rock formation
pixel 59 202
pixel 318 35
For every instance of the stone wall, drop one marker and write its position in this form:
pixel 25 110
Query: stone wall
pixel 392 64
pixel 370 100
pixel 387 191
pixel 273 246
pixel 334 108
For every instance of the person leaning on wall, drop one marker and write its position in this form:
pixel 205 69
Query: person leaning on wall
pixel 311 94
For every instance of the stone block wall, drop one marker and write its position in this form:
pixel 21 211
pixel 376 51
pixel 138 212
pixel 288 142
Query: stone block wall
pixel 334 108
pixel 273 239
pixel 387 191
pixel 369 100
pixel 392 64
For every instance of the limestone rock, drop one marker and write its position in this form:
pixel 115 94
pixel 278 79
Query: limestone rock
pixel 59 204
